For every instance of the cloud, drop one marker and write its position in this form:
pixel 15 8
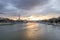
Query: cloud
pixel 52 8
pixel 3 3
pixel 28 4
pixel 30 7
pixel 12 6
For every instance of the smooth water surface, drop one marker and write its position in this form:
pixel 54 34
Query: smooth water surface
pixel 29 31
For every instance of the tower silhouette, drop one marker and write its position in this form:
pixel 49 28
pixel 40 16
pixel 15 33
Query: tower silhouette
pixel 19 17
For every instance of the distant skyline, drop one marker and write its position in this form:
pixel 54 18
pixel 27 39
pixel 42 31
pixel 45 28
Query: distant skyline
pixel 30 7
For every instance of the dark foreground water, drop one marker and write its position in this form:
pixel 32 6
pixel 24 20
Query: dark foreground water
pixel 29 31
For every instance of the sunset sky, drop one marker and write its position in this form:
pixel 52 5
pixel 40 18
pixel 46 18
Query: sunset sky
pixel 41 8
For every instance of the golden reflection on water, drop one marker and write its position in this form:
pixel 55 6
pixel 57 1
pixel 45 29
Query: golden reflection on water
pixel 31 32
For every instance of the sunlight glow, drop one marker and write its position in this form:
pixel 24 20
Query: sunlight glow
pixel 33 17
pixel 36 18
pixel 32 28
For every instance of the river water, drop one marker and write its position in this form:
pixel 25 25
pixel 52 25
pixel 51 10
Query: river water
pixel 29 31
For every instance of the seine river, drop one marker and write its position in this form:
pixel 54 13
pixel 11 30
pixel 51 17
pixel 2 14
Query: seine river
pixel 29 31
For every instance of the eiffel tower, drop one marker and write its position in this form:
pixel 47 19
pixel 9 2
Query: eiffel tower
pixel 19 17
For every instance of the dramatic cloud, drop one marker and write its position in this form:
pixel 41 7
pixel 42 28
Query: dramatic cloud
pixel 28 4
pixel 30 7
pixel 3 3
pixel 52 7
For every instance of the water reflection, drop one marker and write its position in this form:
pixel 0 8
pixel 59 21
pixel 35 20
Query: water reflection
pixel 36 31
pixel 31 32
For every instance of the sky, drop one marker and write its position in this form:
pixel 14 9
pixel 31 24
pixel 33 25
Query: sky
pixel 29 7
